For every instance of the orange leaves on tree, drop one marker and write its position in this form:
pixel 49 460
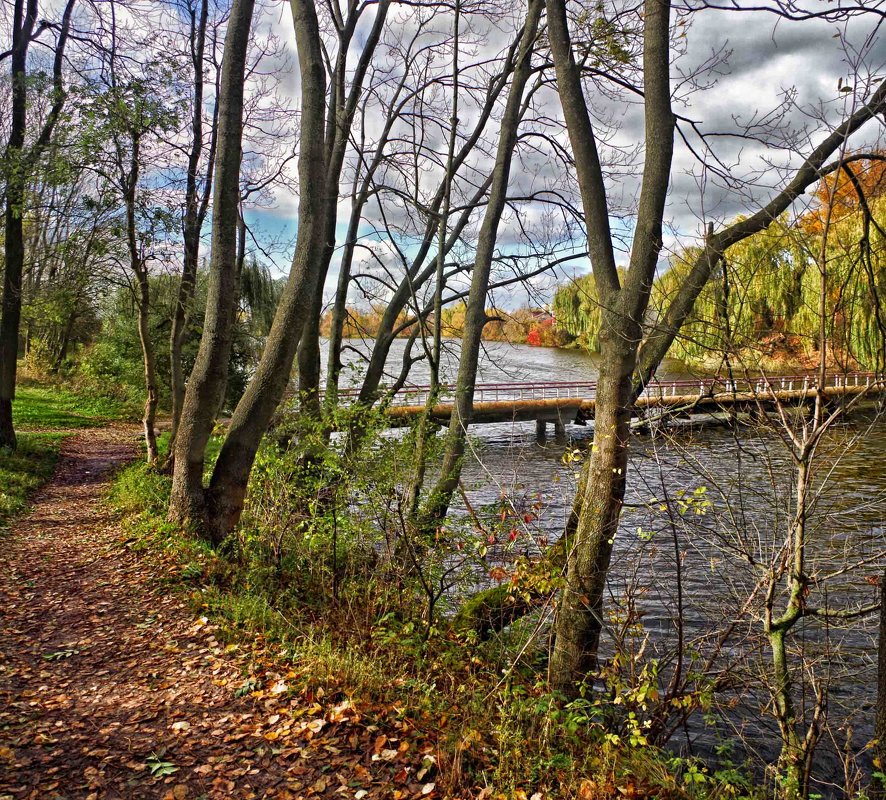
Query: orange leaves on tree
pixel 837 194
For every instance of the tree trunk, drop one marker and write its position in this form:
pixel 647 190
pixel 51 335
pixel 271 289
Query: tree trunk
pixel 17 165
pixel 596 512
pixel 340 116
pixel 65 343
pixel 597 506
pixel 196 204
pixel 879 786
pixel 322 147
pixel 143 296
pixel 14 239
pixel 434 510
pixel 309 357
pixel 340 307
pixel 791 758
pixel 498 606
pixel 177 338
pixel 227 488
pixel 206 387
pixel 149 360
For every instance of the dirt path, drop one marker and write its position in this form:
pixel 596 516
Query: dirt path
pixel 112 688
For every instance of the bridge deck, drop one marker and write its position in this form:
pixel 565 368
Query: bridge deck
pixel 710 395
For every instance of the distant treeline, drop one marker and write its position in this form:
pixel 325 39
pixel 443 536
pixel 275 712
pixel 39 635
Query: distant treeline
pixel 534 326
pixel 764 300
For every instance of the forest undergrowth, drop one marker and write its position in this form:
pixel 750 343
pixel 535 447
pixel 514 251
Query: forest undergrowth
pixel 313 571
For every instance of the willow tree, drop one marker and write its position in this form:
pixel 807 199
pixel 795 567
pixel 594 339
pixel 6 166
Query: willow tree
pixel 628 360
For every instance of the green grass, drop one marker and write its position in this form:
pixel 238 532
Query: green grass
pixel 26 470
pixel 43 415
pixel 51 407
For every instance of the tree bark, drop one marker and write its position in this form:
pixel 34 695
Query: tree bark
pixel 208 380
pixel 309 356
pixel 597 508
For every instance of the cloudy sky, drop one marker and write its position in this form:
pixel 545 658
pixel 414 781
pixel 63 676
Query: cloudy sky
pixel 769 89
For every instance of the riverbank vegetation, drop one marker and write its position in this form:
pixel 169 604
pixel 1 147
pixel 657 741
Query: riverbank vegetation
pixel 525 325
pixel 354 620
pixel 430 173
pixel 761 304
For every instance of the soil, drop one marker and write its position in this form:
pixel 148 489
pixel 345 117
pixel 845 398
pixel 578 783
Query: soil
pixel 112 686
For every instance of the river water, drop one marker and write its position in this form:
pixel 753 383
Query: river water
pixel 707 556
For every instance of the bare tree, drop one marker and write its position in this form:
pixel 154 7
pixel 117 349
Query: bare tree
pixel 324 136
pixel 18 161
pixel 198 191
pixel 625 365
pixel 476 314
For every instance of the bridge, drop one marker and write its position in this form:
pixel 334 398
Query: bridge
pixel 559 402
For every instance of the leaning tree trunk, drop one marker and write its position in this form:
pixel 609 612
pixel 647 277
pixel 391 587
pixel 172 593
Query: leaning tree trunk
pixel 208 381
pixel 196 205
pixel 596 511
pixel 322 147
pixel 435 508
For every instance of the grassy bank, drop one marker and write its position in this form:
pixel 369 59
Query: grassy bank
pixel 44 414
pixel 44 406
pixel 485 718
pixel 25 471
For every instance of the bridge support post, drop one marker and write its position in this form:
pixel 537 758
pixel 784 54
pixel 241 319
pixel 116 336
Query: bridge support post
pixel 541 431
pixel 559 431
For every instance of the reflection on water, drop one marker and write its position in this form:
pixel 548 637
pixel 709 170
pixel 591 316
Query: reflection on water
pixel 722 554
pixel 719 552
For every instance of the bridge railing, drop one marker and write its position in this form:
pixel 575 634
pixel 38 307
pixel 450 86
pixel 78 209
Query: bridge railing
pixel 417 395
